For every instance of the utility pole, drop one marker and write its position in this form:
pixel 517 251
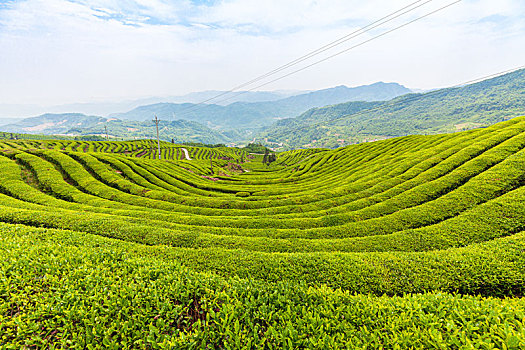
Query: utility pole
pixel 156 121
pixel 106 128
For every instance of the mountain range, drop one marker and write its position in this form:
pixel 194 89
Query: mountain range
pixel 235 121
pixel 313 119
pixel 446 110
pixel 105 108
pixel 53 123
pixel 180 131
pixel 244 115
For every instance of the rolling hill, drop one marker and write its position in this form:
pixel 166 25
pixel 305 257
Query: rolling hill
pixel 448 110
pixel 243 115
pixel 53 123
pixel 76 124
pixel 178 130
pixel 410 242
pixel 212 124
pixel 105 108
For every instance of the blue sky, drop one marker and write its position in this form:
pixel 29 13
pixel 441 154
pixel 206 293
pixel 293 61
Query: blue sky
pixel 60 51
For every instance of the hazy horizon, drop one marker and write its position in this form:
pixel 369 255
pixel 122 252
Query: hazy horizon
pixel 21 111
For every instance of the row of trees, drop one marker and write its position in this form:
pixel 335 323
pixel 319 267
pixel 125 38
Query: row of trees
pixel 269 157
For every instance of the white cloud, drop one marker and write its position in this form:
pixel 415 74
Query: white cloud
pixel 58 51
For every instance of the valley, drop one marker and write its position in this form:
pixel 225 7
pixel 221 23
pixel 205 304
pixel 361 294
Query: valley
pixel 221 247
pixel 262 175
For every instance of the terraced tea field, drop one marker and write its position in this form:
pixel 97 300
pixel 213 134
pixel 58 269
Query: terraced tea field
pixel 409 242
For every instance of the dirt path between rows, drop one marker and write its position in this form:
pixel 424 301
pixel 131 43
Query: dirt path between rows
pixel 186 154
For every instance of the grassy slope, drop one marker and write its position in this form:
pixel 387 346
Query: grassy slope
pixel 72 290
pixel 317 250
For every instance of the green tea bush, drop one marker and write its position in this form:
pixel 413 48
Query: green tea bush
pixel 402 243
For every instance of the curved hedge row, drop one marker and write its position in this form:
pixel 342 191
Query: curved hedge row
pixel 417 214
pixel 68 290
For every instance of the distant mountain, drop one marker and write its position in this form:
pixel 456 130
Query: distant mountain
pixel 179 130
pixel 446 110
pixel 204 123
pixel 244 115
pixel 238 96
pixel 76 124
pixel 53 123
pixel 375 92
pixel 105 108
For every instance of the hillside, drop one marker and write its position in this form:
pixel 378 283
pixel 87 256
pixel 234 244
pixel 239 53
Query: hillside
pixel 447 110
pixel 79 125
pixel 105 108
pixel 411 242
pixel 178 130
pixel 18 136
pixel 53 123
pixel 243 115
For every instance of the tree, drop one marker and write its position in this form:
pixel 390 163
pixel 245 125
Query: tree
pixel 265 157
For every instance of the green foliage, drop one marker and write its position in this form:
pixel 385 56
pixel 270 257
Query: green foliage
pixel 448 110
pixel 256 148
pixel 76 126
pixel 18 136
pixel 181 131
pixel 71 290
pixel 200 144
pixel 398 243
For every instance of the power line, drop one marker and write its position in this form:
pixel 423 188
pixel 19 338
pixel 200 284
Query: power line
pixel 345 50
pixel 408 99
pixel 339 41
pixel 337 54
pixel 322 49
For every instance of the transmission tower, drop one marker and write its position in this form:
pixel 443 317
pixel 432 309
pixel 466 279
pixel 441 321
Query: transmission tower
pixel 156 121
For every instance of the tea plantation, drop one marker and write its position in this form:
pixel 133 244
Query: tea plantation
pixel 410 242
